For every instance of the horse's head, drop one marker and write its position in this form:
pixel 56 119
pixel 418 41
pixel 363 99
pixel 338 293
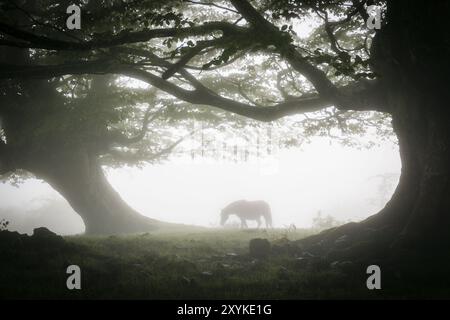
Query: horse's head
pixel 223 216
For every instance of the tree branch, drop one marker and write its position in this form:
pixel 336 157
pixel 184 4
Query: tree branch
pixel 207 97
pixel 212 5
pixel 252 15
pixel 316 76
pixel 359 96
pixel 119 138
pixel 130 156
pixel 124 37
pixel 192 52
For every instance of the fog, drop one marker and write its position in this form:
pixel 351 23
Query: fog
pixel 343 182
pixel 346 183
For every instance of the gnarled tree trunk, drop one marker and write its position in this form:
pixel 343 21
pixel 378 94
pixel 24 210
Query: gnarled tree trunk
pixel 411 55
pixel 79 178
pixel 71 167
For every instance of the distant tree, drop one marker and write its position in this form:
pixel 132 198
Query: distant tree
pixel 321 222
pixel 386 186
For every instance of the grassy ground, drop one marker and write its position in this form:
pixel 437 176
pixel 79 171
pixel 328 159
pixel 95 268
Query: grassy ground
pixel 182 264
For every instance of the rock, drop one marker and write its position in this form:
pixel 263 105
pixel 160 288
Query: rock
pixel 43 232
pixel 207 273
pixel 259 248
pixel 45 236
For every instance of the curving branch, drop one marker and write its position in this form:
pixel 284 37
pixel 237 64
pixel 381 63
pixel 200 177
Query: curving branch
pixel 317 77
pixel 121 139
pixel 131 156
pixel 363 95
pixel 252 15
pixel 204 96
pixel 192 52
pixel 125 37
pixel 12 71
pixel 211 4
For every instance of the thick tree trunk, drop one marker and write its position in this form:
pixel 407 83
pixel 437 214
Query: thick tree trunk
pixel 70 168
pixel 420 208
pixel 411 55
pixel 80 179
pixel 414 69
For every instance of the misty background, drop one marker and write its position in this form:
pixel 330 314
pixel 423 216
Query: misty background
pixel 323 176
pixel 346 183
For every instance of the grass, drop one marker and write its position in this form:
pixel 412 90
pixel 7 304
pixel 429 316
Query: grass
pixel 189 263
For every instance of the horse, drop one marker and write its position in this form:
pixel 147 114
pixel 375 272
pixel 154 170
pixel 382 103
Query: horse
pixel 247 210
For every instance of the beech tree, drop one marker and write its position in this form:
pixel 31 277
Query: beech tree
pixel 342 73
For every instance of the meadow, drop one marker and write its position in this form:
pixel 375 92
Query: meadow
pixel 188 263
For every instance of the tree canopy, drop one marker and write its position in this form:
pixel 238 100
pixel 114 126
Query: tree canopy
pixel 250 59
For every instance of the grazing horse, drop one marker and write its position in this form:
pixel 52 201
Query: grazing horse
pixel 247 210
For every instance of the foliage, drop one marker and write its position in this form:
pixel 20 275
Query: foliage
pixel 124 121
pixel 4 224
pixel 321 222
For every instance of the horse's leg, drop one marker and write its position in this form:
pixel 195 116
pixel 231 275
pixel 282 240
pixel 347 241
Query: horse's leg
pixel 243 223
pixel 259 222
pixel 268 222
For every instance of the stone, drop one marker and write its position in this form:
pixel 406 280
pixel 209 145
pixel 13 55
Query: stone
pixel 44 236
pixel 43 232
pixel 259 248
